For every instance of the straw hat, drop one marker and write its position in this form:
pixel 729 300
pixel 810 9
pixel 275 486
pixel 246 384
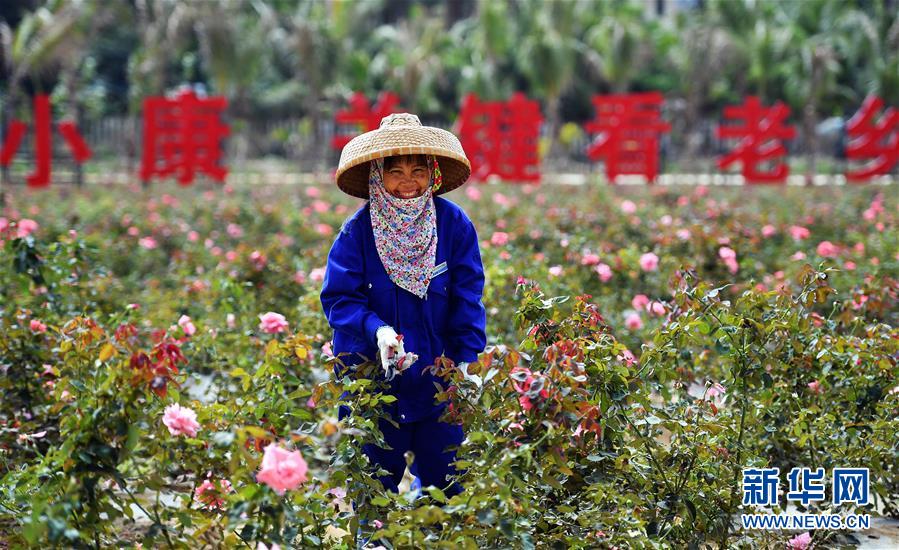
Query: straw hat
pixel 401 134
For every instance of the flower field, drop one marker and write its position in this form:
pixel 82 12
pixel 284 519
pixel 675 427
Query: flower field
pixel 167 378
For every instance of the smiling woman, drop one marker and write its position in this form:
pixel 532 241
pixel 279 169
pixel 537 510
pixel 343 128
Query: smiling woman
pixel 406 176
pixel 404 283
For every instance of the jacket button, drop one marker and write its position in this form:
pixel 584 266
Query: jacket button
pixel 369 285
pixel 403 416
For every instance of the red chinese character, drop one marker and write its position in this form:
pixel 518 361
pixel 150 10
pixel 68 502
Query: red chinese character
pixel 760 139
pixel 873 140
pixel 501 138
pixel 364 116
pixel 184 132
pixel 42 142
pixel 628 126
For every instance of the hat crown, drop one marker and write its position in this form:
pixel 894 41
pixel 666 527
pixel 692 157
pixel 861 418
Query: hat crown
pixel 400 119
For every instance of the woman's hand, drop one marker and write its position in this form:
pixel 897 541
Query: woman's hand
pixel 389 345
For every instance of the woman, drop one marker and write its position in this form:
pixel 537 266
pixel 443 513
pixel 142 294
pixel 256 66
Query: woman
pixel 407 263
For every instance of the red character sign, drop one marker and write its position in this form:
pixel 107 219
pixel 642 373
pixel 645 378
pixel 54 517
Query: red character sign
pixel 873 140
pixel 184 132
pixel 629 126
pixel 364 116
pixel 501 138
pixel 42 142
pixel 760 139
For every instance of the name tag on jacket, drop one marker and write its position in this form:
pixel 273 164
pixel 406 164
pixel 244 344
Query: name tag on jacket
pixel 438 269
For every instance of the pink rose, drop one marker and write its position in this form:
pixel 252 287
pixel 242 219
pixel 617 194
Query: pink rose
pixel 590 259
pixel 26 227
pixel 272 322
pixel 633 321
pixel 37 326
pixel 639 301
pixel 555 271
pixel 180 420
pixel 473 193
pixel 187 325
pixel 258 260
pixel 798 232
pixel 282 470
pixel 656 308
pixel 147 242
pixel 800 542
pixel 234 230
pixel 815 386
pixel 726 252
pixel 649 262
pixel 211 496
pixel 628 207
pixel 317 275
pixel 604 272
pixel 769 231
pixel 499 238
pixel 827 249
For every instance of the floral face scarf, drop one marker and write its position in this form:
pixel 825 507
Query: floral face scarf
pixel 405 229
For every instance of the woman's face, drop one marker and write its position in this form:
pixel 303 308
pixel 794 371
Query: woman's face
pixel 406 177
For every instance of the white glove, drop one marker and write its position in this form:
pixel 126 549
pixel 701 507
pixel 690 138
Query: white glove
pixel 389 346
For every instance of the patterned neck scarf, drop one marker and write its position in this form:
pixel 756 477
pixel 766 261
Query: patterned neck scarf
pixel 405 229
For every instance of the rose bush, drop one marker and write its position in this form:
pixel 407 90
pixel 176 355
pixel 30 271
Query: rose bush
pixel 167 372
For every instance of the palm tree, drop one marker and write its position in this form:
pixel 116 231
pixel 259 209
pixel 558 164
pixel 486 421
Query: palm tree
pixel 52 37
pixel 815 61
pixel 546 56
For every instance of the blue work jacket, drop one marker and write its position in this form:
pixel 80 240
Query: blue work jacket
pixel 358 297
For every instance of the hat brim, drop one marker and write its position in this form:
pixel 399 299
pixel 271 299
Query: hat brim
pixel 352 174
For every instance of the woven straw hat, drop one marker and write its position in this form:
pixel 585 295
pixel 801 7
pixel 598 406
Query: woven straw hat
pixel 401 134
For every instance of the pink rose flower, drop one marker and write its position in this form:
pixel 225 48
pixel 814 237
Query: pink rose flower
pixel 187 325
pixel 640 301
pixel 37 326
pixel 800 542
pixel 258 260
pixel 282 470
pixel 317 275
pixel 604 272
pixel 555 271
pixel 180 420
pixel 768 231
pixel 26 227
pixel 815 386
pixel 827 249
pixel 147 242
pixel 211 496
pixel 633 321
pixel 656 308
pixel 649 262
pixel 798 232
pixel 473 193
pixel 628 207
pixel 272 322
pixel 590 259
pixel 499 238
